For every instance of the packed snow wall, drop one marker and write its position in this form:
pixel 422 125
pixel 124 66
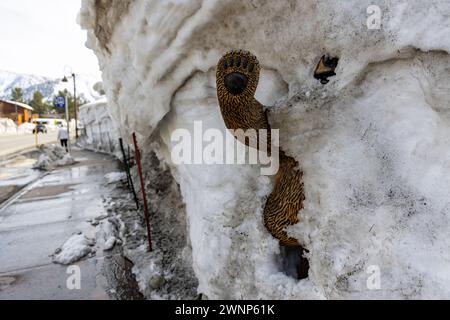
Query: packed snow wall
pixel 373 143
pixel 100 132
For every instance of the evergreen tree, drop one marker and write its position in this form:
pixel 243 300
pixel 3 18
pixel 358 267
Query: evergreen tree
pixel 17 94
pixel 38 104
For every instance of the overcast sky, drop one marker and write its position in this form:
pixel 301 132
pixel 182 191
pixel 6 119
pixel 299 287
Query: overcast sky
pixel 42 37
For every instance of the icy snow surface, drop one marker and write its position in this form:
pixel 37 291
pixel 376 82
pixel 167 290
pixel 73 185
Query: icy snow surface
pixel 100 132
pixel 115 176
pixel 75 248
pixel 373 143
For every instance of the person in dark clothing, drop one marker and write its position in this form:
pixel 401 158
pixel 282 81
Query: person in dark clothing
pixel 63 137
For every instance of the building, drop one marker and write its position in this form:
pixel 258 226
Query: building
pixel 16 111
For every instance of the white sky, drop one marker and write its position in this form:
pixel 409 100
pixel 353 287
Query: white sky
pixel 42 37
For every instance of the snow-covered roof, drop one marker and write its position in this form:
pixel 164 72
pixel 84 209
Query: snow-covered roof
pixel 98 102
pixel 20 104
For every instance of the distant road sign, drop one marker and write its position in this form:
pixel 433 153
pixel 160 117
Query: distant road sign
pixel 60 102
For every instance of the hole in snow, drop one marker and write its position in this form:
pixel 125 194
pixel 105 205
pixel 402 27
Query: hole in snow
pixel 325 69
pixel 295 264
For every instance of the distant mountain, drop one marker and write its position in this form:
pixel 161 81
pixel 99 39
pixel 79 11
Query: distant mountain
pixel 48 86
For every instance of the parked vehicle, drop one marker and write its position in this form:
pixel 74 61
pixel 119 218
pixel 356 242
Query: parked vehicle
pixel 40 128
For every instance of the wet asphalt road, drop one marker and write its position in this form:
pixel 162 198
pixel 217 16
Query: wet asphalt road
pixel 42 218
pixel 12 143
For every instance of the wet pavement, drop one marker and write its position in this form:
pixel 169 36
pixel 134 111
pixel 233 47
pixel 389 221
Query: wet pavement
pixel 16 173
pixel 42 217
pixel 14 143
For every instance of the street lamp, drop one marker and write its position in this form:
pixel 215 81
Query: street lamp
pixel 75 100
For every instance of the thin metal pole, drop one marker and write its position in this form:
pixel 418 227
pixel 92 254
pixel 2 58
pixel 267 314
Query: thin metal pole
pixel 144 195
pixel 127 170
pixel 68 123
pixel 75 104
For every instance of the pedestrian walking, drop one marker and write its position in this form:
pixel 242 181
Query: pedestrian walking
pixel 63 136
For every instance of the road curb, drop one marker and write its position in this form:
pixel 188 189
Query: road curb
pixel 21 192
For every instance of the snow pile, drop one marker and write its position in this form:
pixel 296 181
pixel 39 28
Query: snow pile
pixel 110 234
pixel 67 160
pixel 53 156
pixel 100 133
pixel 26 128
pixel 373 143
pixel 113 177
pixel 44 163
pixel 7 127
pixel 75 248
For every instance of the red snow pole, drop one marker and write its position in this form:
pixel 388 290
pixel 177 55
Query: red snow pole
pixel 137 156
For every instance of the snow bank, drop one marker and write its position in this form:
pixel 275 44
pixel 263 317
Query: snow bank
pixel 373 143
pixel 7 127
pixel 26 128
pixel 53 156
pixel 75 248
pixel 100 132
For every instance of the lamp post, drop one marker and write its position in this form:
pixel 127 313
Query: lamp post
pixel 75 100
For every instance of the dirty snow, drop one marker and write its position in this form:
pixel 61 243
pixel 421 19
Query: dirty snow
pixel 110 233
pixel 373 143
pixel 75 248
pixel 100 132
pixel 115 176
pixel 166 272
pixel 53 156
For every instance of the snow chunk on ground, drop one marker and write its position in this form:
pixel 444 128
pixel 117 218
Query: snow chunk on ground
pixel 44 163
pixel 110 234
pixel 75 248
pixel 67 160
pixel 115 177
pixel 53 156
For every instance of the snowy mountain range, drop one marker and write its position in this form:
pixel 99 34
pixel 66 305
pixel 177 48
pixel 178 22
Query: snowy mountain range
pixel 48 86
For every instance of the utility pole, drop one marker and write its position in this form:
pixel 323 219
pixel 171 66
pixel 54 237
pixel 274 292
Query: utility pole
pixel 67 120
pixel 75 104
pixel 17 115
pixel 75 101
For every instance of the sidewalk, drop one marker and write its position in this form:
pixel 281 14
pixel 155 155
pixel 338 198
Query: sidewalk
pixel 42 218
